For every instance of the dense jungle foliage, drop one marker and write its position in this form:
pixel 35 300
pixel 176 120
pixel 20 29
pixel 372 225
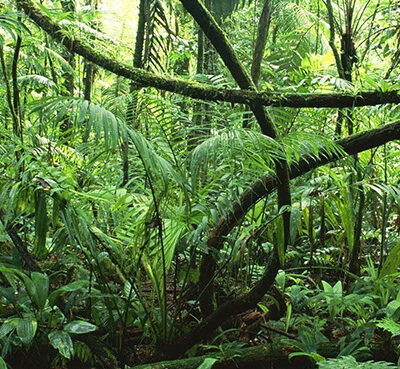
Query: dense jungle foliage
pixel 199 184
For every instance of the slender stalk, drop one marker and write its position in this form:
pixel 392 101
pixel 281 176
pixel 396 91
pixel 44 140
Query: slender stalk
pixel 384 212
pixel 14 76
pixel 332 39
pixel 354 266
pixel 131 111
pixel 261 41
pixel 9 94
pixel 310 233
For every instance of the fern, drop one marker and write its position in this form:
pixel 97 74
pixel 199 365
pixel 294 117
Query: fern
pixel 349 362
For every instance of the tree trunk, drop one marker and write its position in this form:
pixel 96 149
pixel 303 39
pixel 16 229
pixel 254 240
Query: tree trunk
pixel 131 115
pixel 262 37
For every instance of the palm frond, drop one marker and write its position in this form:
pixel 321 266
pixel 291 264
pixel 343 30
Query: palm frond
pixel 57 56
pixel 235 145
pixel 37 82
pixel 96 119
pixel 299 145
pixel 13 26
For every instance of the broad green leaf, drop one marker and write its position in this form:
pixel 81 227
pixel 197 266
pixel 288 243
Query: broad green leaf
pixel 288 317
pixel 392 261
pixel 79 327
pixel 41 282
pixel 392 308
pixel 26 329
pixel 207 363
pixel 3 364
pixel 41 223
pixel 281 279
pixel 61 341
pixel 7 326
pixel 327 287
pixel 71 287
pixel 280 236
pixel 337 289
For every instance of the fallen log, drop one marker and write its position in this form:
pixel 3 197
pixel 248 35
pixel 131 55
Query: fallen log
pixel 256 357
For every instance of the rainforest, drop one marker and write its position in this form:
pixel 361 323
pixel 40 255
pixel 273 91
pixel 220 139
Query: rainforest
pixel 199 184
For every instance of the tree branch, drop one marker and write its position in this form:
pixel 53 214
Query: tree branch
pixel 259 356
pixel 20 245
pixel 351 145
pixel 205 92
